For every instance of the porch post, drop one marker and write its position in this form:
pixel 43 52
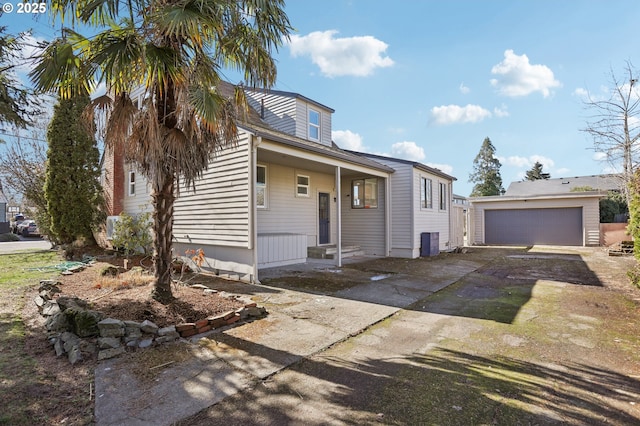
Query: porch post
pixel 338 219
pixel 253 209
pixel 387 217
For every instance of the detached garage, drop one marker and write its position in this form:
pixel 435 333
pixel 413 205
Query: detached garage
pixel 567 219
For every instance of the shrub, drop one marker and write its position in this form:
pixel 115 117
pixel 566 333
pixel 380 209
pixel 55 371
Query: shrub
pixel 131 234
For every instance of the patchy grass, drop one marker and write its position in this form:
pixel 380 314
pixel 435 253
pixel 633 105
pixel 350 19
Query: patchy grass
pixel 20 269
pixel 31 388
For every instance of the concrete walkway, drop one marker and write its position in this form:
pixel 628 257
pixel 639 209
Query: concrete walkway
pixel 299 325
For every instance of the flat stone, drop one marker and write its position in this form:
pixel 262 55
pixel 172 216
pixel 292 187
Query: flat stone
pixel 110 353
pixel 145 343
pixel 50 308
pixel 167 330
pixel 111 328
pixel 167 338
pixel 58 346
pixel 74 355
pixel 149 327
pixel 109 342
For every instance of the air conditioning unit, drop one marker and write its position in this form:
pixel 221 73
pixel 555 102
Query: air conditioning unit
pixel 111 221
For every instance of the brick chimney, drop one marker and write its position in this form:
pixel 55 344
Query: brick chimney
pixel 113 185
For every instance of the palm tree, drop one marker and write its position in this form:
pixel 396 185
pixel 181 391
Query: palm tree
pixel 176 50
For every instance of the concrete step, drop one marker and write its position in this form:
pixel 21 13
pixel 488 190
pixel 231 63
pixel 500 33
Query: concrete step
pixel 330 252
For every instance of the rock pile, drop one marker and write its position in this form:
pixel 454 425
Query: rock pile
pixel 76 331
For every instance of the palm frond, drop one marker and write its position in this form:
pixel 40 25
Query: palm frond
pixel 60 68
pixel 120 53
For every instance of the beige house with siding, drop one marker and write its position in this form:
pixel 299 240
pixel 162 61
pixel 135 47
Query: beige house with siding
pixel 285 189
pixel 421 203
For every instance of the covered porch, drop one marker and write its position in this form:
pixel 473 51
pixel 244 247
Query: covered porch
pixel 325 204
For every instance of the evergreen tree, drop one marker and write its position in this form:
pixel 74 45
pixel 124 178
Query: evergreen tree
pixel 72 189
pixel 536 173
pixel 486 172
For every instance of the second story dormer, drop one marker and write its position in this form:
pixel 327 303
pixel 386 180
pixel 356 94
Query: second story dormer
pixel 293 114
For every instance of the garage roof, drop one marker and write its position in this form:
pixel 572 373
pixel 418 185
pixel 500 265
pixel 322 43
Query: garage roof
pixel 564 185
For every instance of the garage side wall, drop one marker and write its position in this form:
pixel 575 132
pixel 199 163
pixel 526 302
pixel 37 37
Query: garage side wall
pixel 589 205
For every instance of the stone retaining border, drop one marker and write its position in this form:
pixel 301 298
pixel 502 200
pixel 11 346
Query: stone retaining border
pixel 75 330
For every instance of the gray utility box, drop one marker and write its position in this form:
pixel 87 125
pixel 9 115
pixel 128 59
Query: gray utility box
pixel 430 244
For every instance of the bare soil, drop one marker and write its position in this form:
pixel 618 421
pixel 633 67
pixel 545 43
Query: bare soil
pixel 61 393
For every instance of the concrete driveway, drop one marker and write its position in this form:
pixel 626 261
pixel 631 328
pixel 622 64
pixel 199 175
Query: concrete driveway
pixel 544 335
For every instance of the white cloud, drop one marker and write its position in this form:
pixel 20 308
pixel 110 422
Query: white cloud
pixel 446 168
pixel 408 151
pixel 450 114
pixel 600 156
pixel 517 77
pixel 501 112
pixel 464 89
pixel 562 171
pixel 358 56
pixel 581 92
pixel 346 139
pixel 528 162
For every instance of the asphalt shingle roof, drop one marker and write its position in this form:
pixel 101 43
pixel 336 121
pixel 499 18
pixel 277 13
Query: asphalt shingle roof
pixel 563 185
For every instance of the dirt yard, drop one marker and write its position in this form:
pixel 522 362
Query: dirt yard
pixel 533 336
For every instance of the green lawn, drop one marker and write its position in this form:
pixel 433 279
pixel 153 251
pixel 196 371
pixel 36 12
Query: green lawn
pixel 18 270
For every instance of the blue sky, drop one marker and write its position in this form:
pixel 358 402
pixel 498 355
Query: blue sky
pixel 429 80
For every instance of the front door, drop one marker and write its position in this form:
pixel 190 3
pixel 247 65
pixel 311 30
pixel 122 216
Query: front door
pixel 323 218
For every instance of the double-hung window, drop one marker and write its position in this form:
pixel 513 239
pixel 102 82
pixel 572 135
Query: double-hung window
pixel 443 196
pixel 364 193
pixel 261 186
pixel 302 185
pixel 426 193
pixel 132 183
pixel 314 125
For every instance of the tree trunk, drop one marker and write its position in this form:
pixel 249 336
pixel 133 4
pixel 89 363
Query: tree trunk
pixel 163 199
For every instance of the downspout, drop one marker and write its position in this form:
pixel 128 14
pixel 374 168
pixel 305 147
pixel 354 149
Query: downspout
pixel 338 219
pixel 450 185
pixel 253 208
pixel 387 215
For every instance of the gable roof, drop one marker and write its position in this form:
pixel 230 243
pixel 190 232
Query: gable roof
pixel 253 123
pixel 555 186
pixel 415 164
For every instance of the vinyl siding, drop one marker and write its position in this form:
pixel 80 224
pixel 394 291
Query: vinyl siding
pixel 289 213
pixel 433 219
pixel 290 114
pixel 141 201
pixel 279 111
pixel 408 218
pixel 217 213
pixel 363 227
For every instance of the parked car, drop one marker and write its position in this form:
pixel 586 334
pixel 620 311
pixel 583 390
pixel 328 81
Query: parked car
pixel 15 221
pixel 27 228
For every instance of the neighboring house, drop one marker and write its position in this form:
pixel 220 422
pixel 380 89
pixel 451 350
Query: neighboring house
pixel 4 221
pixel 285 189
pixel 421 202
pixel 552 211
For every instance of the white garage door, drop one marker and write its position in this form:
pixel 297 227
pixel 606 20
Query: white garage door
pixel 559 226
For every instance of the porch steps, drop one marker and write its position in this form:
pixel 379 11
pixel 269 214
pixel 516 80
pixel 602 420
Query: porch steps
pixel 330 252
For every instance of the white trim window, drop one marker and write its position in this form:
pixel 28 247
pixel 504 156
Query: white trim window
pixel 314 124
pixel 426 193
pixel 131 183
pixel 364 193
pixel 443 196
pixel 303 184
pixel 261 186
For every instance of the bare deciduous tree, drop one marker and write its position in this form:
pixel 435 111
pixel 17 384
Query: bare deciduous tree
pixel 615 125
